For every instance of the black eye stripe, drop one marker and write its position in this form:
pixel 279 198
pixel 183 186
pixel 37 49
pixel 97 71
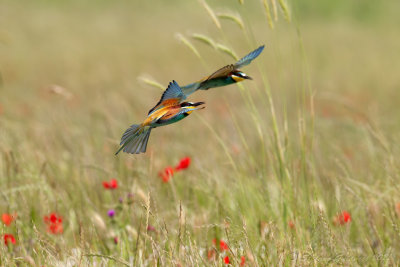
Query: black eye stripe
pixel 239 74
pixel 191 104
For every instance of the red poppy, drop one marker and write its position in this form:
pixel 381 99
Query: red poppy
pixel 112 184
pixel 9 238
pixel 54 223
pixel 242 260
pixel 166 174
pixel 226 260
pixel 7 218
pixel 291 224
pixel 222 245
pixel 342 218
pixel 183 164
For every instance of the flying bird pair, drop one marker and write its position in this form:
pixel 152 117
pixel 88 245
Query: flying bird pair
pixel 171 108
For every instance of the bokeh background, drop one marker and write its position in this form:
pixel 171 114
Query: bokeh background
pixel 273 160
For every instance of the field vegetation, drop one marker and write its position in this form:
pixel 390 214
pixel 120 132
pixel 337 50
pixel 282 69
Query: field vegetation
pixel 298 167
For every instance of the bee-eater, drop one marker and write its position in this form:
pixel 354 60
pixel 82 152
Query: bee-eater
pixel 225 76
pixel 169 109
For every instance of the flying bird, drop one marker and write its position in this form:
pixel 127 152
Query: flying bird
pixel 225 76
pixel 169 109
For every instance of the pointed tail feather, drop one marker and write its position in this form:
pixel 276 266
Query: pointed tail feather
pixel 144 142
pixel 129 132
pixel 134 140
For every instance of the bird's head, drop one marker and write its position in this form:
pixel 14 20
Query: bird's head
pixel 239 76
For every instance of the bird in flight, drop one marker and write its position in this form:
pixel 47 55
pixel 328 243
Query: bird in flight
pixel 169 109
pixel 224 76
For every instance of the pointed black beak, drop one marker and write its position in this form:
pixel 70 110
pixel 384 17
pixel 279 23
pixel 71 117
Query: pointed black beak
pixel 248 77
pixel 198 104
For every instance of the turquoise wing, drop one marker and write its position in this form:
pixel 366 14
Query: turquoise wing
pixel 249 57
pixel 173 95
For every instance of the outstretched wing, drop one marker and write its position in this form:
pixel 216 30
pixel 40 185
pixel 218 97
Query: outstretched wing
pixel 249 57
pixel 173 95
pixel 222 72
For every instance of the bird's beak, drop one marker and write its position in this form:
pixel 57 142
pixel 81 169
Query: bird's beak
pixel 198 104
pixel 195 106
pixel 248 77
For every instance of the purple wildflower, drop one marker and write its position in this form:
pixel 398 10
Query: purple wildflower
pixel 111 213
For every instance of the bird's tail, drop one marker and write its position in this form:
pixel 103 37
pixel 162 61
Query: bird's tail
pixel 190 88
pixel 134 140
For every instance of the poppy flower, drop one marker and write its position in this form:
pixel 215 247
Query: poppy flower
pixel 222 245
pixel 7 218
pixel 242 260
pixel 9 238
pixel 166 174
pixel 116 240
pixel 291 224
pixel 183 164
pixel 112 184
pixel 226 260
pixel 342 218
pixel 54 223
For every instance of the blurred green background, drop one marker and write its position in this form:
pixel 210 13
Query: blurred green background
pixel 314 133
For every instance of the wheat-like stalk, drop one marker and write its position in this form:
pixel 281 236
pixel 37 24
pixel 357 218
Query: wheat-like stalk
pixel 211 13
pixel 186 42
pixel 268 13
pixel 235 18
pixel 285 9
pixel 227 51
pixel 147 79
pixel 204 39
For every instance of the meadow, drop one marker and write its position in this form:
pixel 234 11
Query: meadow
pixel 298 167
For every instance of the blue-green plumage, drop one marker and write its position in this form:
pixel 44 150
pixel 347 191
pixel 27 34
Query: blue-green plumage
pixel 217 82
pixel 169 109
pixel 209 83
pixel 225 76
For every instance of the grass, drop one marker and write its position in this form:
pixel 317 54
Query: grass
pixel 274 160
